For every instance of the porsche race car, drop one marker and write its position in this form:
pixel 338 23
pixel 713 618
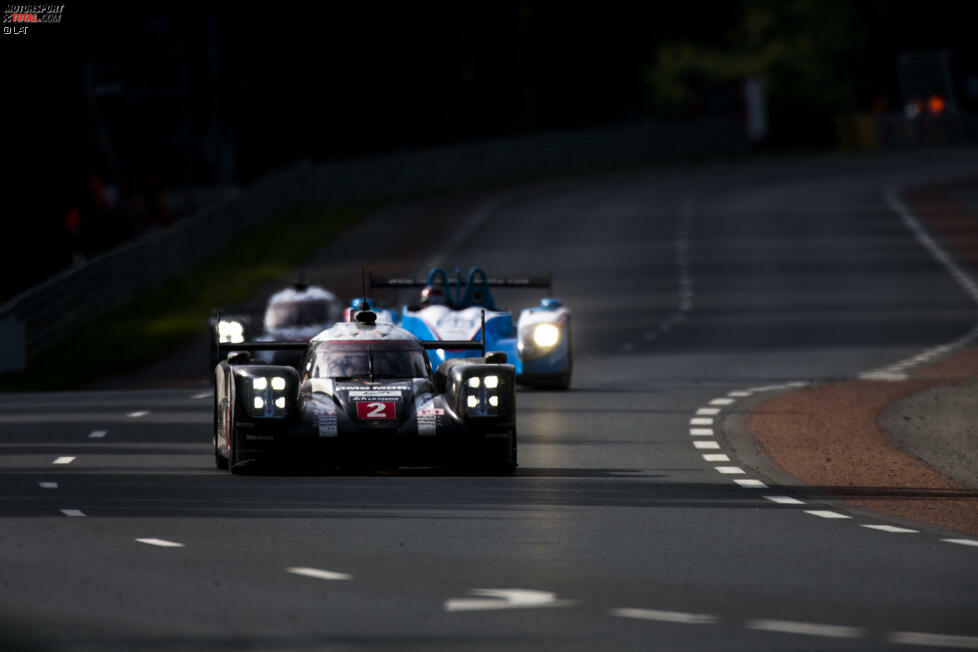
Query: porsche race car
pixel 538 344
pixel 365 393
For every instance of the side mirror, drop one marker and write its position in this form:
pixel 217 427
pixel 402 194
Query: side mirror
pixel 239 357
pixel 496 357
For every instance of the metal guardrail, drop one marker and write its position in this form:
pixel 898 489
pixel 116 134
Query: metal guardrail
pixel 42 315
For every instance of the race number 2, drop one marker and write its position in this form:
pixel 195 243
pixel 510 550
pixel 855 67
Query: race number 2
pixel 375 410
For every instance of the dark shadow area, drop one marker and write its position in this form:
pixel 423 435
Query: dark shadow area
pixel 411 494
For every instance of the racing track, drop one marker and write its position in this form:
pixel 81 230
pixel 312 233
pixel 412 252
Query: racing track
pixel 687 283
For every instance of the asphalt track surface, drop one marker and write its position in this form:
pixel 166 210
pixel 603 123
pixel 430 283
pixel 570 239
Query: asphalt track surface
pixel 686 283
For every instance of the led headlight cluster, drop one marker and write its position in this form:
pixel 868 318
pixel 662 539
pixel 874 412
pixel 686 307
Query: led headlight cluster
pixel 268 396
pixel 230 332
pixel 482 396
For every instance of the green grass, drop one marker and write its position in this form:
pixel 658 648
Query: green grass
pixel 148 328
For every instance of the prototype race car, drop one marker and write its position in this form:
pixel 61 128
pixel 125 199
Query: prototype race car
pixel 539 345
pixel 294 314
pixel 365 393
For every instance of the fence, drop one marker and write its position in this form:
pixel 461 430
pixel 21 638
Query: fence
pixel 46 313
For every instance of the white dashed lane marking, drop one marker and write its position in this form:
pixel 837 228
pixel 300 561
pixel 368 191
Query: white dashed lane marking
pixel 665 616
pixel 97 434
pixel 318 573
pixel 137 414
pixel 963 542
pixel 891 528
pixel 72 512
pixel 810 629
pixel 162 543
pixel 750 483
pixel 67 459
pixel 48 485
pixel 490 599
pixel 824 513
pixel 730 470
pixel 935 640
pixel 784 500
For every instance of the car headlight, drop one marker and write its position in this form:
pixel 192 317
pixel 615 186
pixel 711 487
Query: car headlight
pixel 545 335
pixel 268 396
pixel 230 332
pixel 482 396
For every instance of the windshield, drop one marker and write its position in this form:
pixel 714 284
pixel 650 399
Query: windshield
pixel 295 314
pixel 353 360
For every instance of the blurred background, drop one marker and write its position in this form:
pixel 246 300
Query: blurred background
pixel 126 117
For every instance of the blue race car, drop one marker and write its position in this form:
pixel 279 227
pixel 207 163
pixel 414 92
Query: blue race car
pixel 538 345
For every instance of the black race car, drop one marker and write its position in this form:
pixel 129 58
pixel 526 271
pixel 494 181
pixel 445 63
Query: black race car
pixel 365 394
pixel 294 314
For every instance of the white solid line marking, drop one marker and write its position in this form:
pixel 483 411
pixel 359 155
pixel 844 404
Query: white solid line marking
pixel 97 434
pixel 505 599
pixel 705 444
pixel 891 528
pixel 48 485
pixel 701 432
pixel 318 573
pixel 749 483
pixel 935 640
pixel 665 616
pixel 163 543
pixel 824 513
pixel 72 512
pixel 784 500
pixel 701 421
pixel 201 395
pixel 137 414
pixel 64 460
pixel 739 394
pixel 708 412
pixel 884 376
pixel 722 401
pixel 811 629
pixel 716 457
pixel 730 470
pixel 963 542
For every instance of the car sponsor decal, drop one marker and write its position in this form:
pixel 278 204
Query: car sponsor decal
pixel 428 415
pixel 326 421
pixel 376 410
pixel 369 394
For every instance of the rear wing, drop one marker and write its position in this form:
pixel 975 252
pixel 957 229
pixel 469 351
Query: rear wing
pixel 223 348
pixel 492 281
pixel 227 347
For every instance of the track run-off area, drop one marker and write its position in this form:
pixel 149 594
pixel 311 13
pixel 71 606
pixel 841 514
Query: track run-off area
pixel 645 514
